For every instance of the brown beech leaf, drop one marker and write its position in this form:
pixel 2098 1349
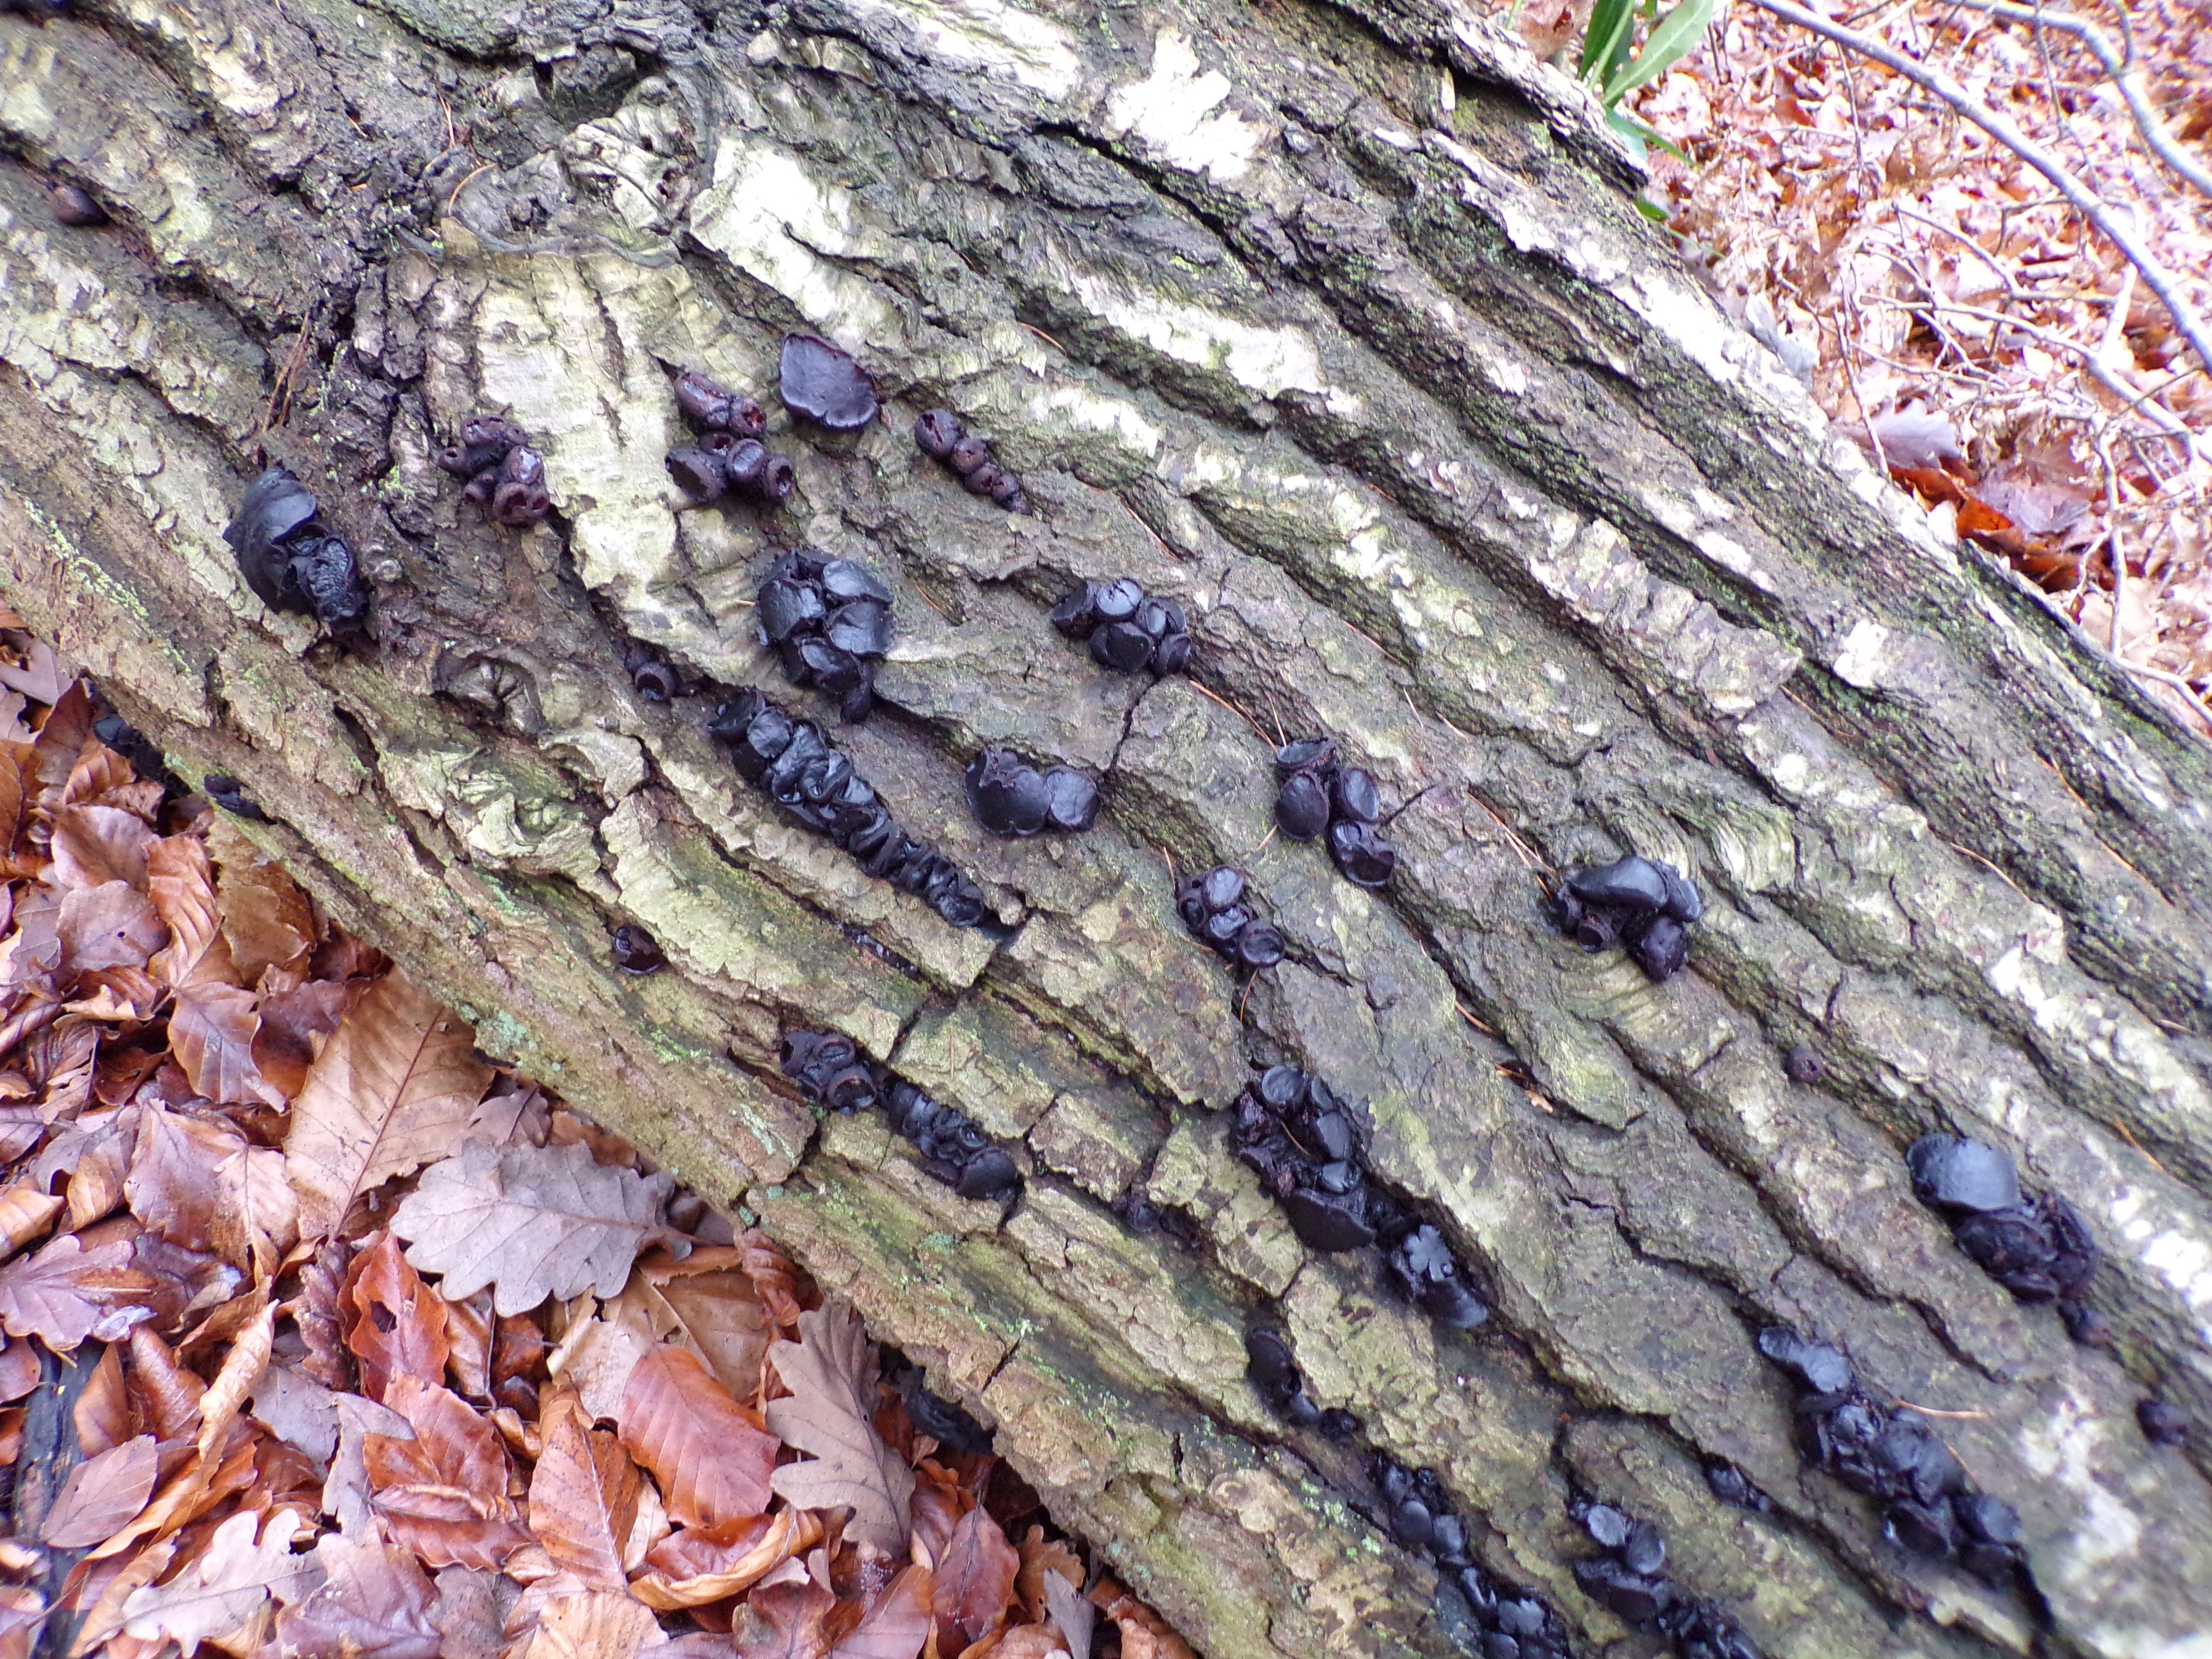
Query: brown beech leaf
pixel 26 1213
pixel 225 1585
pixel 399 1325
pixel 597 1355
pixel 265 917
pixel 110 925
pixel 66 1294
pixel 102 1415
pixel 597 1625
pixel 20 1371
pixel 444 1494
pixel 102 1495
pixel 583 1494
pixel 699 1565
pixel 712 1463
pixel 62 737
pixel 772 1275
pixel 974 1582
pixel 830 1412
pixel 1071 1611
pixel 1024 1642
pixel 471 1611
pixel 532 1221
pixel 374 1603
pixel 166 1394
pixel 711 1301
pixel 784 1621
pixel 182 888
pixel 200 1184
pixel 1041 1556
pixel 43 676
pixel 1145 1634
pixel 97 844
pixel 897 1622
pixel 212 1029
pixel 389 1092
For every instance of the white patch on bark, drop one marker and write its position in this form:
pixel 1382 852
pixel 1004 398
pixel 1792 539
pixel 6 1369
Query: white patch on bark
pixel 1002 41
pixel 1863 656
pixel 1166 113
pixel 1267 361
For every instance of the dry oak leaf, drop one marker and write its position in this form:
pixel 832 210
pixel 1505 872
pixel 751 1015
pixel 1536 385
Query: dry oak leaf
pixel 374 1603
pixel 225 1585
pixel 974 1583
pixel 1041 1556
pixel 699 1565
pixel 396 1325
pixel 583 1494
pixel 102 1495
pixel 830 1412
pixel 712 1465
pixel 532 1221
pixel 1144 1634
pixel 391 1092
pixel 597 1625
pixel 444 1494
pixel 66 1294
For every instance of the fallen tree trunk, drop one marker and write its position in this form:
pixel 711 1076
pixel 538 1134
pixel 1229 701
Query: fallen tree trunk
pixel 1336 325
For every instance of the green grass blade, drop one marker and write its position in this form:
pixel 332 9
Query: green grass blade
pixel 1674 38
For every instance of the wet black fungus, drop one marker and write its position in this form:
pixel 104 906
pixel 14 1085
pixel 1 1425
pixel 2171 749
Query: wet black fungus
pixel 822 384
pixel 229 793
pixel 1275 1377
pixel 829 621
pixel 1896 1458
pixel 651 674
pixel 798 768
pixel 1315 793
pixel 1802 1065
pixel 2161 1423
pixel 75 206
pixel 938 434
pixel 1630 1580
pixel 1422 1264
pixel 291 559
pixel 1515 1625
pixel 506 477
pixel 947 1424
pixel 1637 902
pixel 636 952
pixel 955 1149
pixel 1011 798
pixel 2037 1246
pixel 728 459
pixel 1127 629
pixel 1212 905
pixel 1734 1487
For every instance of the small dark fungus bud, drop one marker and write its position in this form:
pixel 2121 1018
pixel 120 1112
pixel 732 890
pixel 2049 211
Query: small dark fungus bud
pixel 703 401
pixel 1120 647
pixel 1008 796
pixel 1172 655
pixel 1613 1585
pixel 515 504
pixel 822 383
pixel 1960 1177
pixel 1329 1221
pixel 636 950
pixel 967 453
pixel 1821 1369
pixel 843 580
pixel 936 431
pixel 1259 947
pixel 1626 884
pixel 75 206
pixel 228 792
pixel 2161 1423
pixel 1802 1064
pixel 744 462
pixel 2086 1325
pixel 480 489
pixel 1606 1525
pixel 778 478
pixel 983 480
pixel 1006 492
pixel 1362 856
pixel 1075 615
pixel 656 682
pixel 1663 949
pixel 1338 1424
pixel 720 440
pixel 1074 803
pixel 698 473
pixel 989 1174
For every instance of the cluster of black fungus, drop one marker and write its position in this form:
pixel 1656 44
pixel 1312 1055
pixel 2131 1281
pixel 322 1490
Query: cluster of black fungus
pixel 939 435
pixel 637 951
pixel 822 384
pixel 1629 1578
pixel 73 205
pixel 1896 1458
pixel 1637 902
pixel 291 559
pixel 2039 1248
pixel 1304 1143
pixel 1213 906
pixel 655 678
pixel 1010 797
pixel 950 1425
pixel 1421 1517
pixel 1734 1487
pixel 2162 1424
pixel 804 774
pixel 1274 1374
pixel 506 477
pixel 229 793
pixel 830 621
pixel 1316 793
pixel 729 458
pixel 1127 628
pixel 831 1071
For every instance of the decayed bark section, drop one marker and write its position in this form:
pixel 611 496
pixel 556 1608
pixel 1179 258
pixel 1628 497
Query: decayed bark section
pixel 1348 339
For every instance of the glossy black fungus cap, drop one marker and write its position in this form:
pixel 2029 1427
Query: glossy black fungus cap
pixel 229 793
pixel 1329 1221
pixel 275 504
pixel 1354 795
pixel 1077 613
pixel 1802 1064
pixel 1962 1177
pixel 1306 754
pixel 935 432
pixel 1008 796
pixel 73 206
pixel 1363 857
pixel 822 383
pixel 636 952
pixel 1821 1369
pixel 1630 884
pixel 717 407
pixel 1301 807
pixel 1663 948
pixel 1073 800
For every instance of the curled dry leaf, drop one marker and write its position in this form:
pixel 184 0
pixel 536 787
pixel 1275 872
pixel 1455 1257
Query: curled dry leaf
pixel 374 1603
pixel 533 1221
pixel 444 1494
pixel 597 1625
pixel 182 889
pixel 896 1623
pixel 396 1324
pixel 212 1032
pixel 830 1412
pixel 583 1494
pixel 709 1302
pixel 699 1565
pixel 712 1464
pixel 974 1582
pixel 102 1495
pixel 1070 1610
pixel 784 1621
pixel 167 1395
pixel 266 919
pixel 26 1213
pixel 391 1092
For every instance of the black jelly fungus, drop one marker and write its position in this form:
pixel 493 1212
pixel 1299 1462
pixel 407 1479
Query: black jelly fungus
pixel 291 561
pixel 1635 902
pixel 73 206
pixel 822 383
pixel 636 952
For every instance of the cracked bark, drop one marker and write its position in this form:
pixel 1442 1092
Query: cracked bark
pixel 1345 336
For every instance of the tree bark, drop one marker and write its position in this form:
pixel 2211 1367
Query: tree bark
pixel 1336 324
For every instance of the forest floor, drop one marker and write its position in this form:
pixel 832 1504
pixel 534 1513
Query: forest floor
pixel 1942 300
pixel 325 1336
